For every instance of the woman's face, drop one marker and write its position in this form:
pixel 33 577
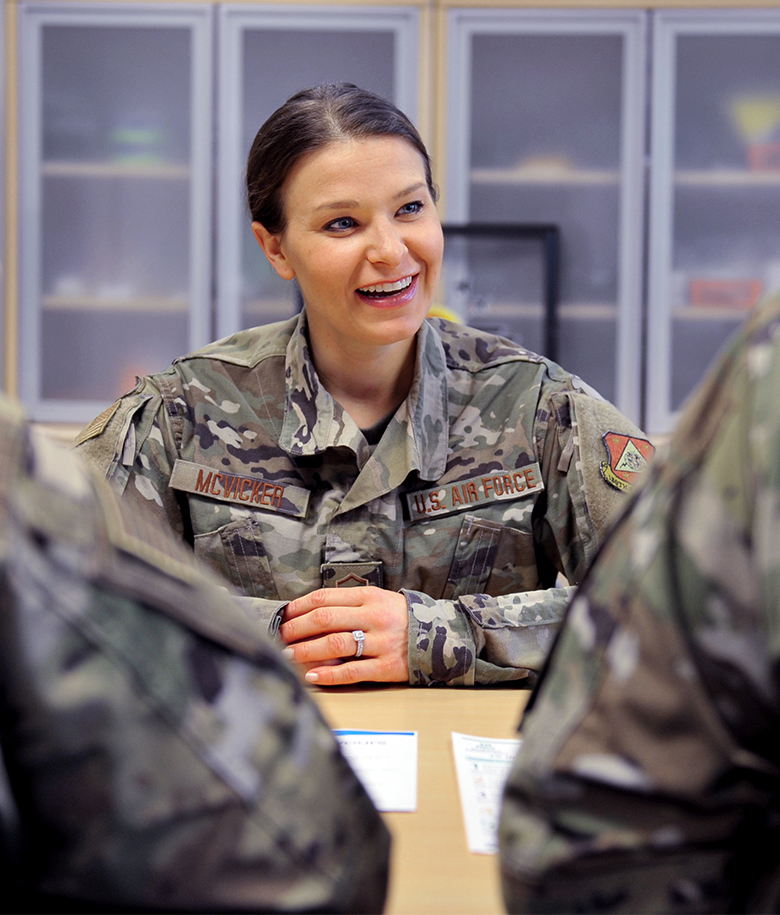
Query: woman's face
pixel 364 240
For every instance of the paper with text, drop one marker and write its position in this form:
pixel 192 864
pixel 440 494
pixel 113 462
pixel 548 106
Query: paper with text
pixel 482 764
pixel 386 764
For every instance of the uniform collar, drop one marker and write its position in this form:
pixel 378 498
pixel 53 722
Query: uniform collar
pixel 314 422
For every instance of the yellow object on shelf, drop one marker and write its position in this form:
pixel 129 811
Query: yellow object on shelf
pixel 756 117
pixel 441 311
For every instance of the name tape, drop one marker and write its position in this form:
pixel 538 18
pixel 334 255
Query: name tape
pixel 495 487
pixel 254 492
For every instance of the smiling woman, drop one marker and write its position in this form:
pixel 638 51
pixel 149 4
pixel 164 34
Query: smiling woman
pixel 449 474
pixel 363 238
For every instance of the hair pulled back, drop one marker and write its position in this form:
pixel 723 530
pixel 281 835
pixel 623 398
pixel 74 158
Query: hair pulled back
pixel 308 121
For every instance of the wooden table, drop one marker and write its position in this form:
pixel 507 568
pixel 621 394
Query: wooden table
pixel 432 872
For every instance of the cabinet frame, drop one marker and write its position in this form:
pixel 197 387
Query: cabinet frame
pixel 34 17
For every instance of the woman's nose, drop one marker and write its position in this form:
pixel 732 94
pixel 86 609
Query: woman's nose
pixel 386 244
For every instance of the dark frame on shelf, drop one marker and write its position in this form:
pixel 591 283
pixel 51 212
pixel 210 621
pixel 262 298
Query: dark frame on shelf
pixel 549 237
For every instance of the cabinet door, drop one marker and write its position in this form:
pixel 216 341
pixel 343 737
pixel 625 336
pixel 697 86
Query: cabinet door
pixel 546 125
pixel 715 193
pixel 267 53
pixel 115 165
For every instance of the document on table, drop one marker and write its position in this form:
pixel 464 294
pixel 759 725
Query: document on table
pixel 386 764
pixel 482 765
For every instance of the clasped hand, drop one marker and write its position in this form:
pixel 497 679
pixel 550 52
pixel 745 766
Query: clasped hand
pixel 317 630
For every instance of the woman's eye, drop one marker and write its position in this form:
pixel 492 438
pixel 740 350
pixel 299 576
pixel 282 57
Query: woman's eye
pixel 411 209
pixel 340 225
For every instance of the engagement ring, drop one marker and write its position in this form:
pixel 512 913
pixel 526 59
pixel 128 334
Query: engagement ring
pixel 359 636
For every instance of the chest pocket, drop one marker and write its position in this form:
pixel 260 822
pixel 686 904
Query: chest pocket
pixel 237 551
pixel 491 558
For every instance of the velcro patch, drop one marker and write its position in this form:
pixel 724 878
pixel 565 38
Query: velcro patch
pixel 476 492
pixel 351 574
pixel 252 492
pixel 98 424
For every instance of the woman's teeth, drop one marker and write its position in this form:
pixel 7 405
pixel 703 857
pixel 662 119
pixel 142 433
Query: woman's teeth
pixel 386 288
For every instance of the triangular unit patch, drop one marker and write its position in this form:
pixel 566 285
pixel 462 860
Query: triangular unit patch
pixel 628 457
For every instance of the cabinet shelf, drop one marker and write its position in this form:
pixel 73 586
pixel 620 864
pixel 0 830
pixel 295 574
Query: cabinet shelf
pixel 269 310
pixel 589 311
pixel 545 174
pixel 709 313
pixel 166 304
pixel 727 177
pixel 79 169
pixel 583 311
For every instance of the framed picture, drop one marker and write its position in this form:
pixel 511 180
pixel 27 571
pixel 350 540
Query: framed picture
pixel 503 278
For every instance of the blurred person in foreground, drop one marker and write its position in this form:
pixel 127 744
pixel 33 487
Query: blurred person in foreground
pixel 649 775
pixel 159 754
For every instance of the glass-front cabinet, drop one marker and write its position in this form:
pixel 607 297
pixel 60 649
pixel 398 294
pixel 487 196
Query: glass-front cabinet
pixel 135 120
pixel 714 244
pixel 267 53
pixel 545 125
pixel 115 190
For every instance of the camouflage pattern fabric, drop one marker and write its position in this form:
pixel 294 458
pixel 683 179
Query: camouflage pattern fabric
pixel 486 483
pixel 649 776
pixel 159 754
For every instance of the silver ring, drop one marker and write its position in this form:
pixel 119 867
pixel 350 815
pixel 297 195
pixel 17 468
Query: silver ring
pixel 359 636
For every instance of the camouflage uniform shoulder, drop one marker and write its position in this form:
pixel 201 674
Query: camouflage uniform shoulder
pixel 473 350
pixel 101 442
pixel 247 347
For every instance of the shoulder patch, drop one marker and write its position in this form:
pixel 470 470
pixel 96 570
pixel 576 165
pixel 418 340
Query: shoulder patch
pixel 98 424
pixel 628 456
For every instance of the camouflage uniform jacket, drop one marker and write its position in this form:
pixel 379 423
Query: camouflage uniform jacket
pixel 649 776
pixel 485 484
pixel 158 752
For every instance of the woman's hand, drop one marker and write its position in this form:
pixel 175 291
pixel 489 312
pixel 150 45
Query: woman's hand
pixel 317 630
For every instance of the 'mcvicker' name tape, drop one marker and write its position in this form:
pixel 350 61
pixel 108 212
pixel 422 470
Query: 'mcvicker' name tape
pixel 253 492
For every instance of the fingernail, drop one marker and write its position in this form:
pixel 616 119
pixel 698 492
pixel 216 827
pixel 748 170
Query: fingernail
pixel 311 676
pixel 288 653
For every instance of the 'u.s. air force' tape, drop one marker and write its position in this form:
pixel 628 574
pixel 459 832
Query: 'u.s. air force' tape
pixel 251 492
pixel 475 492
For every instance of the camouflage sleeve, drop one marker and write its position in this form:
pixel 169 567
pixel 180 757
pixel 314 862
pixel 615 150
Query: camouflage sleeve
pixel 160 753
pixel 479 639
pixel 649 772
pixel 583 494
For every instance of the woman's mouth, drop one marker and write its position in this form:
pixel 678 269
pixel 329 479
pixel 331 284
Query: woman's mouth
pixel 386 290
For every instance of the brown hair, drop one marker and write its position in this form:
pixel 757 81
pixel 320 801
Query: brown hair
pixel 308 121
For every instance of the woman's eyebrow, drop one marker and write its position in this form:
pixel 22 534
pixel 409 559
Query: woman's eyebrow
pixel 337 205
pixel 412 189
pixel 348 204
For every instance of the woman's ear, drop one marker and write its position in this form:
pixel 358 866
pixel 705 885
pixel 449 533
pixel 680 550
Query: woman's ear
pixel 272 248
